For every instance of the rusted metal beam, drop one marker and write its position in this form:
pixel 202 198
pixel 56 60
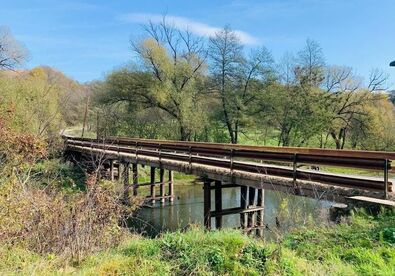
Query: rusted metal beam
pixel 202 153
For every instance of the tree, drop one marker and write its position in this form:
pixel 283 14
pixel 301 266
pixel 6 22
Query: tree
pixel 375 129
pixel 12 53
pixel 294 105
pixel 310 68
pixel 345 99
pixel 31 104
pixel 174 61
pixel 236 78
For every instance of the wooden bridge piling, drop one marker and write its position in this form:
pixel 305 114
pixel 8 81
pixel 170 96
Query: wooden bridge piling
pixel 218 203
pixel 162 186
pixel 260 213
pixel 251 203
pixel 207 203
pixel 152 186
pixel 135 178
pixel 126 184
pixel 171 187
pixel 250 209
pixel 112 170
pixel 243 205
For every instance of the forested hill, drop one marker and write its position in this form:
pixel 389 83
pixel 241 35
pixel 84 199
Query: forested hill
pixel 41 101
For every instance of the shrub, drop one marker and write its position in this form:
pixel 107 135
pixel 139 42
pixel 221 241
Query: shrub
pixel 46 220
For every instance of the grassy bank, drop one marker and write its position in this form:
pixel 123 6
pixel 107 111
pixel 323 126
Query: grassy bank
pixel 365 246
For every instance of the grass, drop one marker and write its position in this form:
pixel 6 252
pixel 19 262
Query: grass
pixel 365 246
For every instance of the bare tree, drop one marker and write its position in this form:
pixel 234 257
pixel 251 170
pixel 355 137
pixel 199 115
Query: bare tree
pixel 377 80
pixel 310 68
pixel 12 53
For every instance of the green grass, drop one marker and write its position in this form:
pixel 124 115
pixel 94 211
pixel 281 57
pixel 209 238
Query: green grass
pixel 366 246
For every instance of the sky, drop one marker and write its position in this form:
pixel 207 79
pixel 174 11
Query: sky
pixel 88 39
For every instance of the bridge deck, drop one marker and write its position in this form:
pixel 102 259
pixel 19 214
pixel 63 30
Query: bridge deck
pixel 258 175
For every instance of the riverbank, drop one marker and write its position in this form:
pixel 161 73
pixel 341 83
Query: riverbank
pixel 364 245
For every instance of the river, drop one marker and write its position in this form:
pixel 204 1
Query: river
pixel 282 212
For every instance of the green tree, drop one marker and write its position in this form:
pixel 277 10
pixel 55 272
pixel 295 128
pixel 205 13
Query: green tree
pixel 237 79
pixel 169 78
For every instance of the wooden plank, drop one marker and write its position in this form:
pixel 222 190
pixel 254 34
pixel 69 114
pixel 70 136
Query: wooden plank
pixel 236 210
pixel 157 197
pixel 373 200
pixel 156 183
pixel 227 186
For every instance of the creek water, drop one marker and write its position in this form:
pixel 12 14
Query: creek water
pixel 281 211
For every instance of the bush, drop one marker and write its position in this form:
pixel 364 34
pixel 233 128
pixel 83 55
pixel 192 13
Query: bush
pixel 46 220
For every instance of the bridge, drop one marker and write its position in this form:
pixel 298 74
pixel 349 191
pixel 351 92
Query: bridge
pixel 252 168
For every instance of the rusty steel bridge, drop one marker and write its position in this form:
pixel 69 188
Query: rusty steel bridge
pixel 252 168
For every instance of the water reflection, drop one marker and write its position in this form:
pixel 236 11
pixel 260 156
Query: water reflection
pixel 187 208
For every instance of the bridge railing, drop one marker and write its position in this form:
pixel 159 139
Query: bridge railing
pixel 234 157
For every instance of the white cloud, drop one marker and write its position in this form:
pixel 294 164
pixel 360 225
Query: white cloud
pixel 195 27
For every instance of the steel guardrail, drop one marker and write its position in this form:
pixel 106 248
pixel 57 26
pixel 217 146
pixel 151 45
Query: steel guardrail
pixel 229 155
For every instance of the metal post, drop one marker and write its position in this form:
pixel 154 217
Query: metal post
pixel 207 203
pixel 218 204
pixel 153 194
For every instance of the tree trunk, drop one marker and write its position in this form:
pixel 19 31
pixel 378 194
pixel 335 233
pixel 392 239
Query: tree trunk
pixel 337 141
pixel 185 135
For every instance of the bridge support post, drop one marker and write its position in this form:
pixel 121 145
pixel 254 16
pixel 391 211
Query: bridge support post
pixel 162 186
pixel 135 179
pixel 112 174
pixel 126 184
pixel 243 205
pixel 207 203
pixel 152 187
pixel 171 187
pixel 251 203
pixel 260 213
pixel 386 179
pixel 218 203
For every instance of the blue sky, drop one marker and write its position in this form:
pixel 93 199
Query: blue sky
pixel 87 39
